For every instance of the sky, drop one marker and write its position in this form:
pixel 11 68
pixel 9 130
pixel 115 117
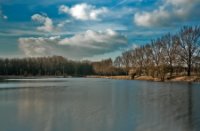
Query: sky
pixel 88 29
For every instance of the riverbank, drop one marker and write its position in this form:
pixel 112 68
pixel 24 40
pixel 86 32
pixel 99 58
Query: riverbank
pixel 123 77
pixel 150 78
pixel 31 77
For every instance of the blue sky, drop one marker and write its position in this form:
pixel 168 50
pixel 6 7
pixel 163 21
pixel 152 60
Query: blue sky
pixel 88 29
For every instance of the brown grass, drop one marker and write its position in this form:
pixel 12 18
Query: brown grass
pixel 111 77
pixel 187 78
pixel 150 78
pixel 147 78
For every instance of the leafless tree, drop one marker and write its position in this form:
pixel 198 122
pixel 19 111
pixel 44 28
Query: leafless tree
pixel 118 61
pixel 189 40
pixel 126 60
pixel 170 46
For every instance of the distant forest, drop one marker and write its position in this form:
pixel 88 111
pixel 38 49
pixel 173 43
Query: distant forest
pixel 167 56
pixel 56 66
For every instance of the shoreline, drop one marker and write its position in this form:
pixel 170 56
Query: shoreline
pixel 123 77
pixel 33 77
pixel 150 78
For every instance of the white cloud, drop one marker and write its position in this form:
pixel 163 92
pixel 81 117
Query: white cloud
pixel 96 40
pixel 63 23
pixel 79 46
pixel 147 19
pixel 47 23
pixel 169 11
pixel 83 11
pixel 63 9
pixel 37 46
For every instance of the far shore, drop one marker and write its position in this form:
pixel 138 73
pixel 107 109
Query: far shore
pixel 32 77
pixel 150 78
pixel 120 77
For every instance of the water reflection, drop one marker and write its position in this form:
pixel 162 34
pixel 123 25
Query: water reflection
pixel 167 108
pixel 101 105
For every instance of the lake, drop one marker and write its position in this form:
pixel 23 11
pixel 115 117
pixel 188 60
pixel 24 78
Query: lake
pixel 89 104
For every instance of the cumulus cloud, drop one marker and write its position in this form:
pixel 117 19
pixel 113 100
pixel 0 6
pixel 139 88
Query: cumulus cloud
pixel 83 11
pixel 87 44
pixel 167 13
pixel 47 23
pixel 157 17
pixel 39 46
pixel 2 16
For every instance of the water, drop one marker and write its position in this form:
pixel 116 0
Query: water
pixel 86 104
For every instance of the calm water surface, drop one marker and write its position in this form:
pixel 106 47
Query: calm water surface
pixel 86 104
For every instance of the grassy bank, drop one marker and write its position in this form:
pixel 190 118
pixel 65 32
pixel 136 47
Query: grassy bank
pixel 120 77
pixel 150 78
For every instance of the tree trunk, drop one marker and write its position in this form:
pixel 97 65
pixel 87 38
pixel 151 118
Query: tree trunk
pixel 189 70
pixel 171 70
pixel 189 64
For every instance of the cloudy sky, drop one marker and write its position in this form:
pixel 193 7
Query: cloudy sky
pixel 88 29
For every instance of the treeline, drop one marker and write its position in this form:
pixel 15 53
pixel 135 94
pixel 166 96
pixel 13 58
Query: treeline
pixel 167 56
pixel 56 66
pixel 44 66
pixel 106 68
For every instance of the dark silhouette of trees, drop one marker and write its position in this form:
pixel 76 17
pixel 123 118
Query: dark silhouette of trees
pixel 56 66
pixel 45 66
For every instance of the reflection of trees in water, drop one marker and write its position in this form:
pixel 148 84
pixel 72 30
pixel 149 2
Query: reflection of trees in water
pixel 70 109
pixel 166 108
pixel 32 109
pixel 190 106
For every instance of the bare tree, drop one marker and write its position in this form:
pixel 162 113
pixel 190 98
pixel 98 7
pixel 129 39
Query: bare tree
pixel 139 56
pixel 118 61
pixel 149 65
pixel 157 55
pixel 170 44
pixel 126 60
pixel 189 39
